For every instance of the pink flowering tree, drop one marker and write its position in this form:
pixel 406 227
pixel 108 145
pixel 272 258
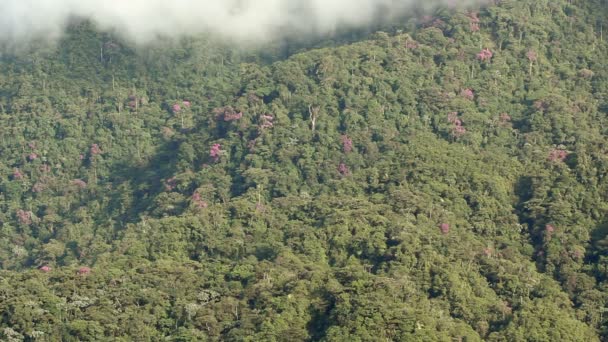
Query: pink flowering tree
pixel 79 183
pixel 485 55
pixel 549 230
pixel 411 44
pixel 347 143
pixel 444 228
pixel 179 111
pixel 504 118
pixel 170 184
pixel 198 201
pixel 83 271
pixel 215 152
pixel 457 129
pixel 468 94
pixel 24 217
pixel 233 116
pixel 343 169
pixel 38 187
pixel 557 155
pixel 17 175
pixel 95 150
pixel 473 22
pixel 227 114
pixel 266 121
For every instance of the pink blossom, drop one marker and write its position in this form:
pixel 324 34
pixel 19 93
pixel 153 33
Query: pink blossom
pixel 45 269
pixel 445 228
pixel 343 169
pixel 531 55
pixel 95 150
pixel 33 156
pixel 227 114
pixel 24 217
pixel 79 183
pixel 84 270
pixel 473 22
pixel 186 103
pixel 452 117
pixel 176 108
pixel 170 184
pixel 347 143
pixel 215 152
pixel 233 116
pixel 504 118
pixel 81 157
pixel 266 121
pixel 38 187
pixel 468 94
pixel 411 44
pixel 196 199
pixel 485 55
pixel 458 131
pixel 557 155
pixel 17 174
pixel 549 229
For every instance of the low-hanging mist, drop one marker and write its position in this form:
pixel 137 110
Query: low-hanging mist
pixel 243 20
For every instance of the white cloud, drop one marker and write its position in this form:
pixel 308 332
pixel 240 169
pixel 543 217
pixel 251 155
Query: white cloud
pixel 142 20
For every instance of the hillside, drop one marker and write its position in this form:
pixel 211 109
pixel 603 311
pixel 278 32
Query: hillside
pixel 442 182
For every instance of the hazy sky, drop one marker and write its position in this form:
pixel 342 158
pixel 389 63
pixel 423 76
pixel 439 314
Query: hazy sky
pixel 142 20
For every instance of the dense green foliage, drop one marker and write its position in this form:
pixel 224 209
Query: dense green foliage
pixel 393 189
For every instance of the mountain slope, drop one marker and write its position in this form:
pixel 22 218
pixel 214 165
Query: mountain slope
pixel 444 183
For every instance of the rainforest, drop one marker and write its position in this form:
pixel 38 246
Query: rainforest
pixel 439 177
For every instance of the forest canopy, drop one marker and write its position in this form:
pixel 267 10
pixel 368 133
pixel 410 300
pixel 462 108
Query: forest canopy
pixel 443 179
